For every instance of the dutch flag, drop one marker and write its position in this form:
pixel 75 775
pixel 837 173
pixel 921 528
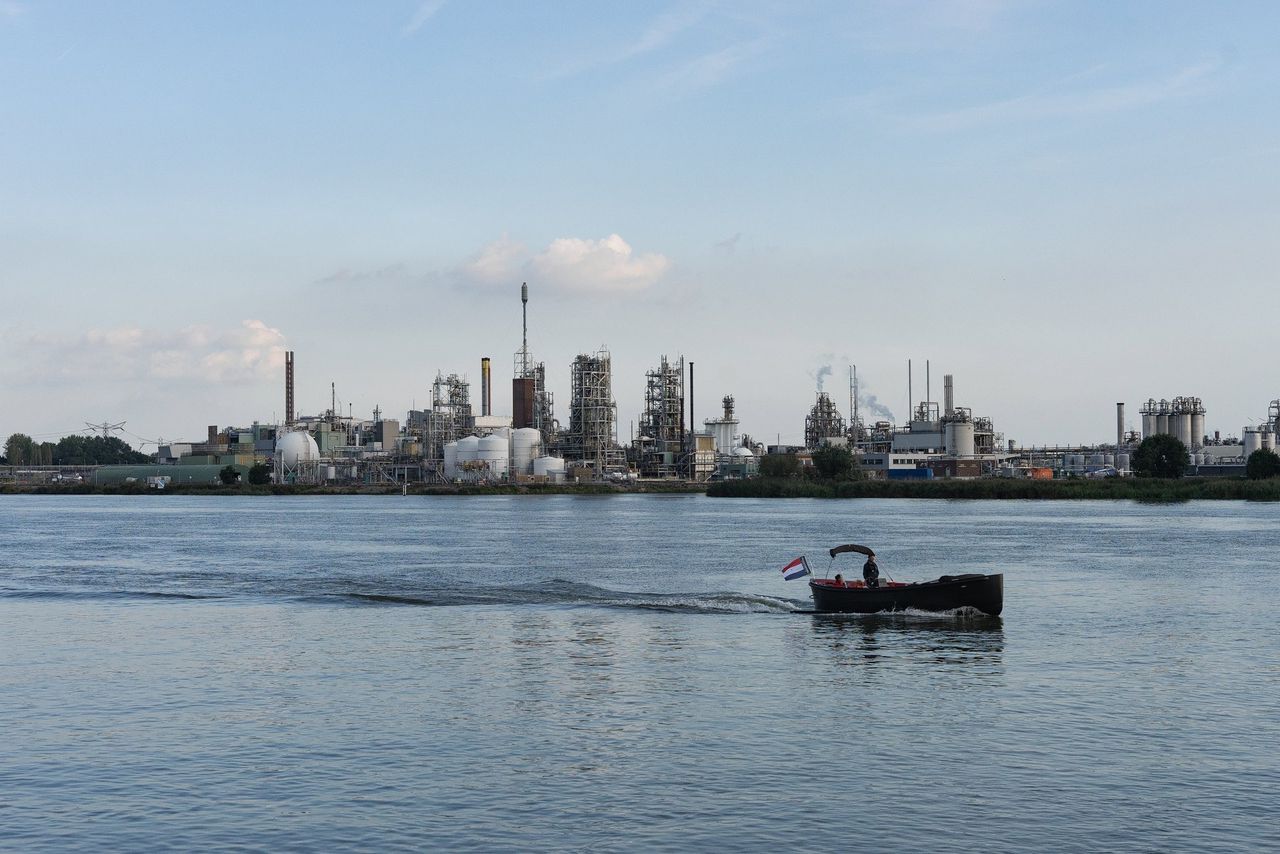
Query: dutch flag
pixel 796 569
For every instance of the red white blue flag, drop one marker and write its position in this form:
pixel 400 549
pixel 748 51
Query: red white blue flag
pixel 798 568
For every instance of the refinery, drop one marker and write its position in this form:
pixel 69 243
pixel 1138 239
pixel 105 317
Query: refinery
pixel 453 441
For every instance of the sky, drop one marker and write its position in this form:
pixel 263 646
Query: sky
pixel 1063 204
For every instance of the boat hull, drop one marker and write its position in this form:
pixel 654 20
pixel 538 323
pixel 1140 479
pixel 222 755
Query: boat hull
pixel 984 593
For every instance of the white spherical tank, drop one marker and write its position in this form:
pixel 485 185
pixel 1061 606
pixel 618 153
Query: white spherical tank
pixel 551 468
pixel 297 447
pixel 743 453
pixel 450 460
pixel 526 445
pixel 958 436
pixel 491 452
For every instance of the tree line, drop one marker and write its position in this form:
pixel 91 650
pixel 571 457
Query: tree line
pixel 21 450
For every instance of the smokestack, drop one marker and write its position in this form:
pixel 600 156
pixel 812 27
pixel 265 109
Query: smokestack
pixel 288 389
pixel 486 389
pixel 1119 425
pixel 524 316
pixel 948 396
pixel 928 384
pixel 911 400
pixel 692 429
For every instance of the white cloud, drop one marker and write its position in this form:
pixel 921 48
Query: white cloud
pixel 496 263
pixel 250 353
pixel 426 11
pixel 607 265
pixel 11 8
pixel 571 264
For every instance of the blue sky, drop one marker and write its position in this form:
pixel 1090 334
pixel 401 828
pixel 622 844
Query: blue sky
pixel 1063 204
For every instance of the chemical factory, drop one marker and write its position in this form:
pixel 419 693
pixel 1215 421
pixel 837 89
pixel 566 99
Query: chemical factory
pixel 451 443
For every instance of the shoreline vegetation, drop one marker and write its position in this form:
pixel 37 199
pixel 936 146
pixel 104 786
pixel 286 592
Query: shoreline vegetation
pixel 1143 490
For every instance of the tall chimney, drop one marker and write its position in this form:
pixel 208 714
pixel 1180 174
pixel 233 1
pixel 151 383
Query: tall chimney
pixel 1119 425
pixel 288 389
pixel 486 390
pixel 948 396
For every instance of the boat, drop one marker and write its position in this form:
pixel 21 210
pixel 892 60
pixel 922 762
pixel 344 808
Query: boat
pixel 984 593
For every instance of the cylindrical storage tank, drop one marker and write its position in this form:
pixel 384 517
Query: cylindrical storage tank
pixel 450 460
pixel 959 438
pixel 468 449
pixel 331 473
pixel 1182 427
pixel 551 468
pixel 1108 459
pixel 526 444
pixel 1268 438
pixel 1162 424
pixel 1122 462
pixel 1197 429
pixel 1148 426
pixel 1097 460
pixel 492 454
pixel 1252 440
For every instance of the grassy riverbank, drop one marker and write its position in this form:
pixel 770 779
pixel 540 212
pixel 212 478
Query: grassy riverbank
pixel 413 489
pixel 1132 489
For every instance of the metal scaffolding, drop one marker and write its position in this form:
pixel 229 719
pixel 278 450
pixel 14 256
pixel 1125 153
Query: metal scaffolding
pixel 824 421
pixel 592 414
pixel 661 439
pixel 450 415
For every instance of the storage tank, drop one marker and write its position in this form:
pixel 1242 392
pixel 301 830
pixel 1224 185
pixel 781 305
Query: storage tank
pixel 1162 423
pixel 1108 459
pixel 550 467
pixel 1148 425
pixel 1197 429
pixel 958 437
pixel 1097 460
pixel 331 473
pixel 1182 427
pixel 1268 437
pixel 491 452
pixel 450 460
pixel 297 447
pixel 526 444
pixel 1252 439
pixel 1122 462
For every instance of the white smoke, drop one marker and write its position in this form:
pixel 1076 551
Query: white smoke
pixel 820 375
pixel 870 403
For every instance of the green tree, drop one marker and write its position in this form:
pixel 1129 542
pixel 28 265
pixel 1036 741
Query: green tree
pixel 259 474
pixel 1262 464
pixel 835 462
pixel 229 475
pixel 20 449
pixel 779 465
pixel 1161 455
pixel 96 451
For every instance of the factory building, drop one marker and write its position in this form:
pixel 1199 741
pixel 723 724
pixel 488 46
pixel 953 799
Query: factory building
pixel 1182 417
pixel 590 439
pixel 660 445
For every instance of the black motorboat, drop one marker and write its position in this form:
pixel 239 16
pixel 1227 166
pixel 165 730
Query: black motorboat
pixel 984 593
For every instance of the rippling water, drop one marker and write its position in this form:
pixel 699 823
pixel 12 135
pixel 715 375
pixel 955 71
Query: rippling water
pixel 625 673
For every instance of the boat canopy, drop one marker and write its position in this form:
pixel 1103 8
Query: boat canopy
pixel 852 547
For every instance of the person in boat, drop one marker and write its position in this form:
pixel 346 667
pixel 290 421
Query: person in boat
pixel 871 572
pixel 839 580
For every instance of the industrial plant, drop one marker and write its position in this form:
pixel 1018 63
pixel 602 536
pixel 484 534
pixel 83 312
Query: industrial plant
pixel 449 442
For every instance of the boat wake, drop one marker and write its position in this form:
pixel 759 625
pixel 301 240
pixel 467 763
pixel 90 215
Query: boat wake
pixel 555 593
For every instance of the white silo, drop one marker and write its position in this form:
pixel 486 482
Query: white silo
pixel 1268 437
pixel 1148 422
pixel 468 453
pixel 1252 440
pixel 958 437
pixel 450 460
pixel 1122 462
pixel 552 468
pixel 1162 417
pixel 491 454
pixel 526 445
pixel 1197 423
pixel 1182 428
